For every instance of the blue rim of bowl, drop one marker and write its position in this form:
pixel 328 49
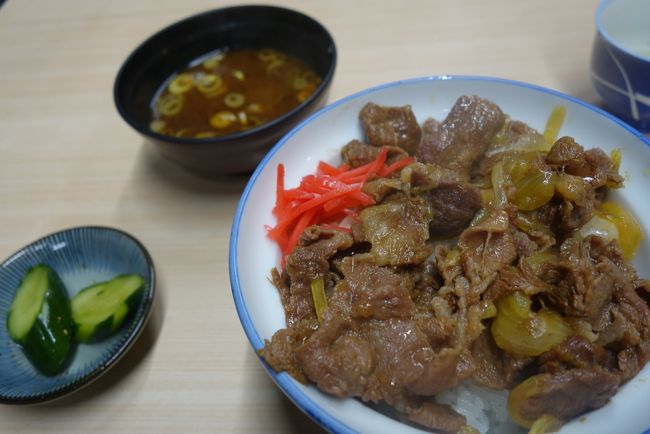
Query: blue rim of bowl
pixel 601 29
pixel 284 380
pixel 144 129
pixel 100 370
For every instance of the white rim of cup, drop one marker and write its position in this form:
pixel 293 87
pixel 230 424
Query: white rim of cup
pixel 601 29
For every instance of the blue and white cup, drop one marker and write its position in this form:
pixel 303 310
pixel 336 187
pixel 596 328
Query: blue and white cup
pixel 620 61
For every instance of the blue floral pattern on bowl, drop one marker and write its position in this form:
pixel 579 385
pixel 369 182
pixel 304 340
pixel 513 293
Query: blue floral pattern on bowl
pixel 81 256
pixel 620 71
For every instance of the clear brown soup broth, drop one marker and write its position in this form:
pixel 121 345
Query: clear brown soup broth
pixel 227 92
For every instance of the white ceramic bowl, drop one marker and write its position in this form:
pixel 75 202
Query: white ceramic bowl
pixel 620 59
pixel 252 254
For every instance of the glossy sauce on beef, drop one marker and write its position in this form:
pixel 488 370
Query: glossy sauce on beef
pixel 410 316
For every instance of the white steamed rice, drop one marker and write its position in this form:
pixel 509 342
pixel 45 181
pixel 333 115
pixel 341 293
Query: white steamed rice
pixel 485 409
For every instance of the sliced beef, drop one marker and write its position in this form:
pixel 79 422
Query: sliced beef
pixel 368 345
pixel 280 351
pixel 337 356
pixel 569 393
pixel 309 260
pixel 357 153
pixel 600 168
pixel 462 138
pixel 405 317
pixel 422 177
pixel 410 361
pixel 593 282
pixel 511 278
pixel 453 202
pixel 583 175
pixel 493 367
pixel 593 165
pixel 580 292
pixel 565 152
pixel 524 244
pixel 487 247
pixel 338 360
pixel 575 352
pixel 398 230
pixel 430 132
pixel 380 188
pixel 590 276
pixel 439 331
pixel 376 292
pixel 628 329
pixel 377 360
pixel 573 215
pixel 436 416
pixel 536 226
pixel 453 205
pixel 391 126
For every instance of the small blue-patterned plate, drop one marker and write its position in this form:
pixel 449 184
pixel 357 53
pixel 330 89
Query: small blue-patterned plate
pixel 81 256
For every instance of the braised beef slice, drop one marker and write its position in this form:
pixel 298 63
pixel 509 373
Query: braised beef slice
pixel 403 324
pixel 335 358
pixel 430 132
pixel 524 244
pixel 422 177
pixel 573 215
pixel 357 153
pixel 453 202
pixel 493 367
pixel 595 170
pixel 453 205
pixel 462 138
pixel 577 289
pixel 308 261
pixel 377 360
pixel 487 247
pixel 398 230
pixel 536 225
pixel 593 165
pixel 575 352
pixel 410 361
pixel 380 188
pixel 511 278
pixel 438 330
pixel 280 351
pixel 391 126
pixel 517 133
pixel 368 346
pixel 437 416
pixel 376 292
pixel 569 393
pixel 565 151
pixel 593 281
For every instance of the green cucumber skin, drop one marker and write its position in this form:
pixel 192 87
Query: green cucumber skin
pixel 134 298
pixel 106 327
pixel 48 344
pixel 100 332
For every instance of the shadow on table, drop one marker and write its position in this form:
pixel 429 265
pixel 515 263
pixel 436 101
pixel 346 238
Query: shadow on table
pixel 159 168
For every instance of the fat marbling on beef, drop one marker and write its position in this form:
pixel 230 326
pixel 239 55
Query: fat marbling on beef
pixel 409 305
